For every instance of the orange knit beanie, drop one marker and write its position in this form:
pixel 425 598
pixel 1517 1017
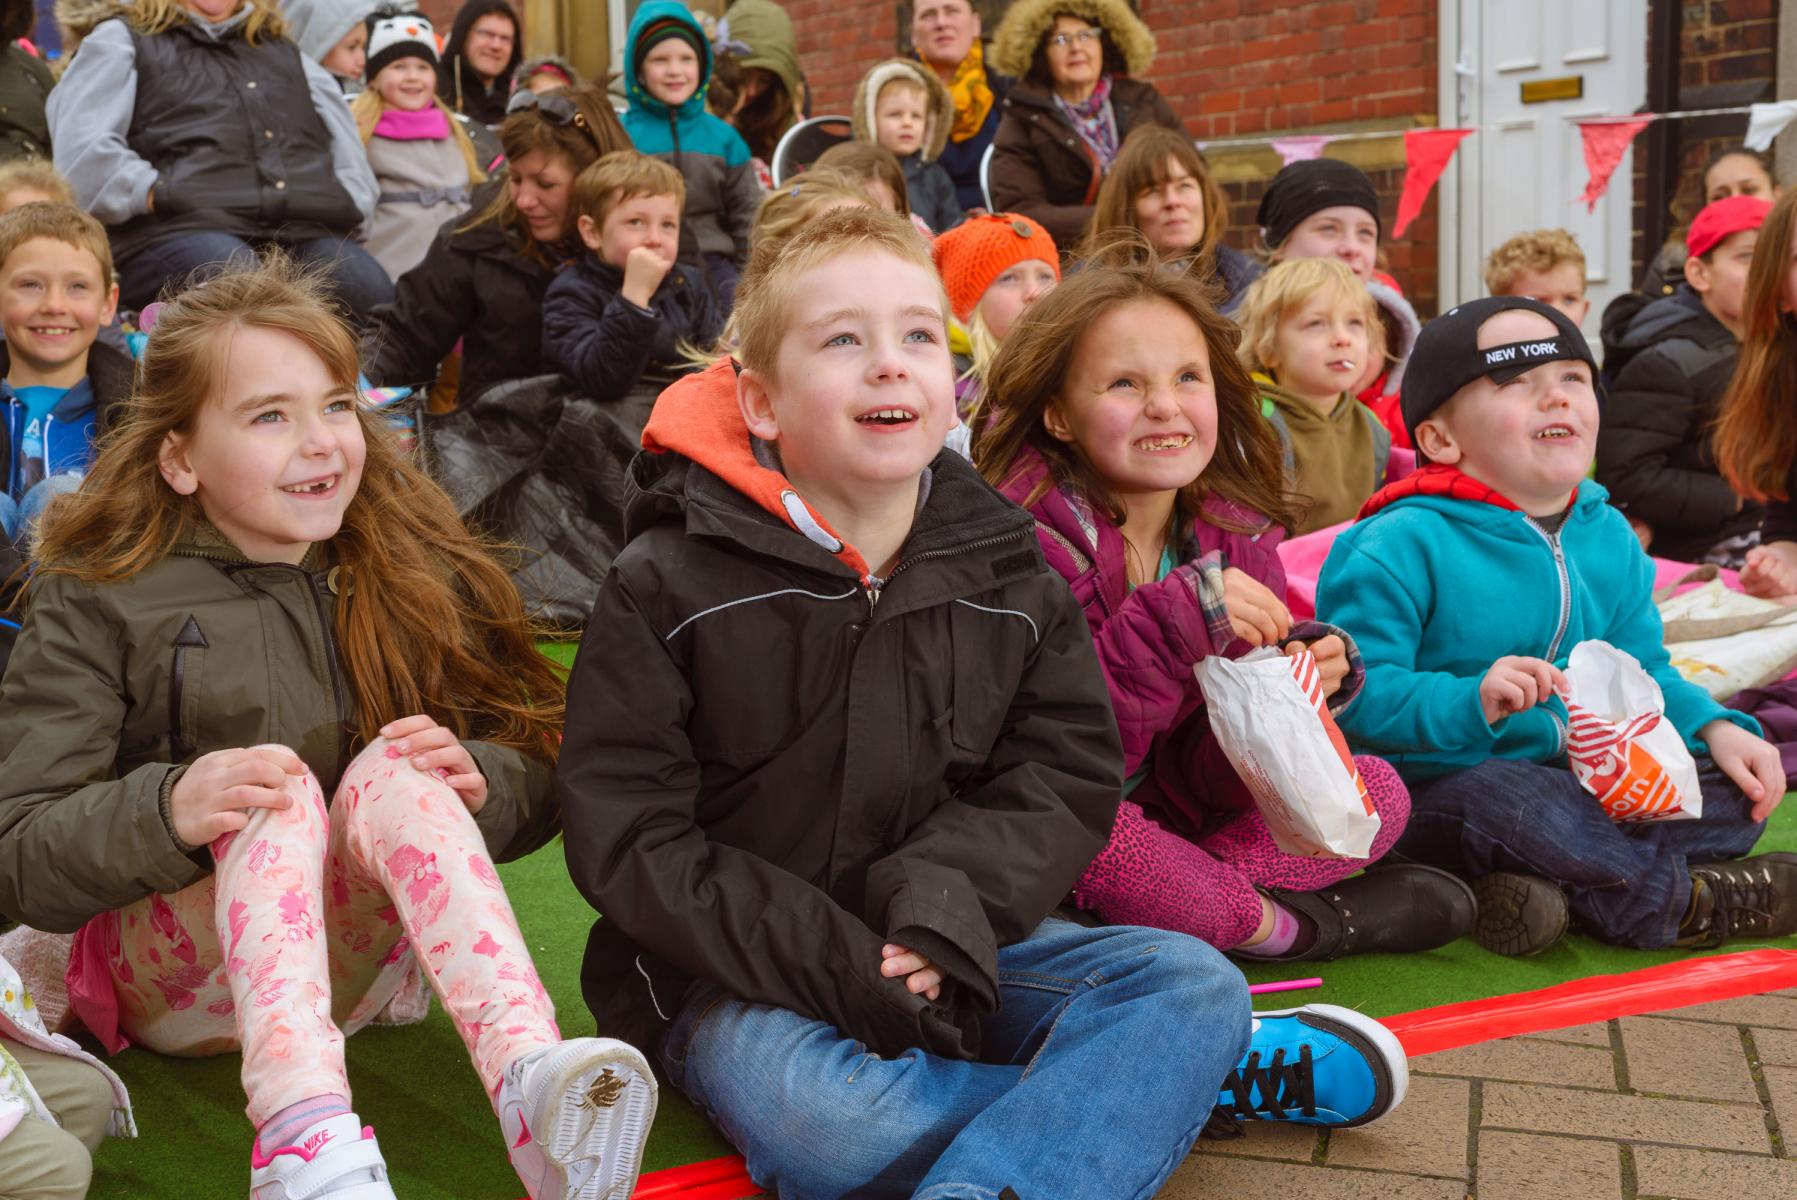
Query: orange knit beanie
pixel 980 249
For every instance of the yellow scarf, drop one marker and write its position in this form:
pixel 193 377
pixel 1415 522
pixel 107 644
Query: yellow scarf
pixel 972 95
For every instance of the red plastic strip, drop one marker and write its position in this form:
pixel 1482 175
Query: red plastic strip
pixel 1427 1031
pixel 712 1179
pixel 1599 998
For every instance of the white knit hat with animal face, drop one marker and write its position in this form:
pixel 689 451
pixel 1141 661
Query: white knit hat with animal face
pixel 392 37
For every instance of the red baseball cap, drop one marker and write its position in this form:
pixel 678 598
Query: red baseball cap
pixel 1723 218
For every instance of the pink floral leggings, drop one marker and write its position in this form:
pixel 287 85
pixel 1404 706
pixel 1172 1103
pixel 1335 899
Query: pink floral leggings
pixel 308 925
pixel 1150 875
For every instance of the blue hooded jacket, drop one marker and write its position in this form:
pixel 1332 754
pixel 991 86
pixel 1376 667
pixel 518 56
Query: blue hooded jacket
pixel 1436 588
pixel 723 189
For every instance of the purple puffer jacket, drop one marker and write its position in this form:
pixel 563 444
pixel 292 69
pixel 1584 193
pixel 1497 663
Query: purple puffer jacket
pixel 1149 639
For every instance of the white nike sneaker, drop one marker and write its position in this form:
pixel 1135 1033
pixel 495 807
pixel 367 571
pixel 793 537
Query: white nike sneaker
pixel 337 1158
pixel 576 1116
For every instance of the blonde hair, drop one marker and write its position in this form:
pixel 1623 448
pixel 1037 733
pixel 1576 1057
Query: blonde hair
pixel 764 297
pixel 1289 285
pixel 1532 253
pixel 368 106
pixel 798 202
pixel 59 222
pixel 160 16
pixel 617 177
pixel 34 175
pixel 869 162
pixel 428 620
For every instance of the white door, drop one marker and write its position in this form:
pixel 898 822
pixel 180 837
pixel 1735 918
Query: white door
pixel 1525 168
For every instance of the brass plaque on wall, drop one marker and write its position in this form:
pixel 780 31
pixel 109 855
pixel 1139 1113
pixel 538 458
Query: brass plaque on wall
pixel 1567 87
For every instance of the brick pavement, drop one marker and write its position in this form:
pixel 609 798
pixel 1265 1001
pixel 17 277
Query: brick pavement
pixel 1696 1103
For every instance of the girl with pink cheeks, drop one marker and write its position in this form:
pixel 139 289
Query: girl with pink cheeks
pixel 276 714
pixel 1124 422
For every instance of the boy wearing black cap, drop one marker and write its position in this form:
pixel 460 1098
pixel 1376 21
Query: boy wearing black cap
pixel 668 64
pixel 1466 586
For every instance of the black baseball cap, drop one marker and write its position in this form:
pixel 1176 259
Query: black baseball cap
pixel 1447 357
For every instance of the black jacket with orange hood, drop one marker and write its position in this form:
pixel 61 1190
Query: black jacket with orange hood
pixel 771 769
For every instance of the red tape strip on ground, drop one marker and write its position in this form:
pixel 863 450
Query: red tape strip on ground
pixel 1429 1030
pixel 1599 998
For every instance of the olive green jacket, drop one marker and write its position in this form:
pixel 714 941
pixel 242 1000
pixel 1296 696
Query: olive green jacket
pixel 113 689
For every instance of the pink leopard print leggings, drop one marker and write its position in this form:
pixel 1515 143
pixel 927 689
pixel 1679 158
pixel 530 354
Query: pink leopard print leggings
pixel 308 925
pixel 1149 875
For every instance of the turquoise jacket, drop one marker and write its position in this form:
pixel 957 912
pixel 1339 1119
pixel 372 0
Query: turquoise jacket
pixel 1436 588
pixel 723 189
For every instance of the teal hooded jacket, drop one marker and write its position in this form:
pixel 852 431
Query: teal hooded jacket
pixel 723 188
pixel 1441 577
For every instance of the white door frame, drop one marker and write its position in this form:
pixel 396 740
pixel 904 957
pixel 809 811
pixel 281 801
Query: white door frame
pixel 1459 103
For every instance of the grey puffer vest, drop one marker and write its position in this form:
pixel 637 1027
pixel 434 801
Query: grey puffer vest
pixel 237 145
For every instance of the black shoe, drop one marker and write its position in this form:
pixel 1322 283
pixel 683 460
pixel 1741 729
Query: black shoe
pixel 1388 910
pixel 1749 898
pixel 1519 915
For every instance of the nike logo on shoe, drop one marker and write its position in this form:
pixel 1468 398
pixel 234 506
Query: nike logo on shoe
pixel 312 1145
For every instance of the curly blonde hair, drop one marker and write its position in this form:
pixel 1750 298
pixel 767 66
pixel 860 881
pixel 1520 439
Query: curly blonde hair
pixel 1533 253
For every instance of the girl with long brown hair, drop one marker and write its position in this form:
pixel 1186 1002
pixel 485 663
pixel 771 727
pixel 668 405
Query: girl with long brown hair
pixel 253 603
pixel 1756 436
pixel 1123 420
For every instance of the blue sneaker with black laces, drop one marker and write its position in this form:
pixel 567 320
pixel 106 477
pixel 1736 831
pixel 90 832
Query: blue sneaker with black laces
pixel 1317 1065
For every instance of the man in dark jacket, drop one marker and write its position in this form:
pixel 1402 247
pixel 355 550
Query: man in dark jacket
pixel 839 743
pixel 25 84
pixel 1669 371
pixel 484 48
pixel 946 34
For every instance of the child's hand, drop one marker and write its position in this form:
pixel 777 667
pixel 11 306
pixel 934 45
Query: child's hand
pixel 1255 613
pixel 1752 762
pixel 437 751
pixel 1515 685
pixel 1771 571
pixel 214 795
pixel 644 269
pixel 922 977
pixel 1331 654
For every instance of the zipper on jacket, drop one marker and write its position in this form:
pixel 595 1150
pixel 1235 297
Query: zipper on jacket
pixel 318 585
pixel 1553 543
pixel 873 593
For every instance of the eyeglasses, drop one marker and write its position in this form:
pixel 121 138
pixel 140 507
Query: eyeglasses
pixel 1082 37
pixel 554 107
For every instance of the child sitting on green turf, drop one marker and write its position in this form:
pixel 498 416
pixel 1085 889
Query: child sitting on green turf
pixel 253 603
pixel 838 744
pixel 1467 585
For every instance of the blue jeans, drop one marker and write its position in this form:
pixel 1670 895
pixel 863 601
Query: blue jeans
pixel 1097 1072
pixel 359 281
pixel 1627 884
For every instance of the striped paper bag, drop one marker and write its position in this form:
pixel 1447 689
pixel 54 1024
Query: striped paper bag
pixel 1270 720
pixel 1622 748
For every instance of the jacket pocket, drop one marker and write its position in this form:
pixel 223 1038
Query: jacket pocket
pixel 184 691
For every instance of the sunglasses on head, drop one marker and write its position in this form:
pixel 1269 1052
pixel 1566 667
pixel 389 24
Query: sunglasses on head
pixel 554 107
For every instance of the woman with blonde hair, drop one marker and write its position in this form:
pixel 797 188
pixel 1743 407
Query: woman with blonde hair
pixel 230 141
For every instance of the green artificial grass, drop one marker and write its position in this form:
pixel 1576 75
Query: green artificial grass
pixel 414 1084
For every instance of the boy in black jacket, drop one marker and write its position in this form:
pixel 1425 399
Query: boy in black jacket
pixel 838 743
pixel 1670 370
pixel 621 313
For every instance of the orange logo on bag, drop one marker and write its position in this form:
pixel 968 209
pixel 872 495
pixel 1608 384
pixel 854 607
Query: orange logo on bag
pixel 1629 783
pixel 1310 681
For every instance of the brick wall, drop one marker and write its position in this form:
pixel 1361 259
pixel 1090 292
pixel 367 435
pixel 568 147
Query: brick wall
pixel 1728 53
pixel 1231 68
